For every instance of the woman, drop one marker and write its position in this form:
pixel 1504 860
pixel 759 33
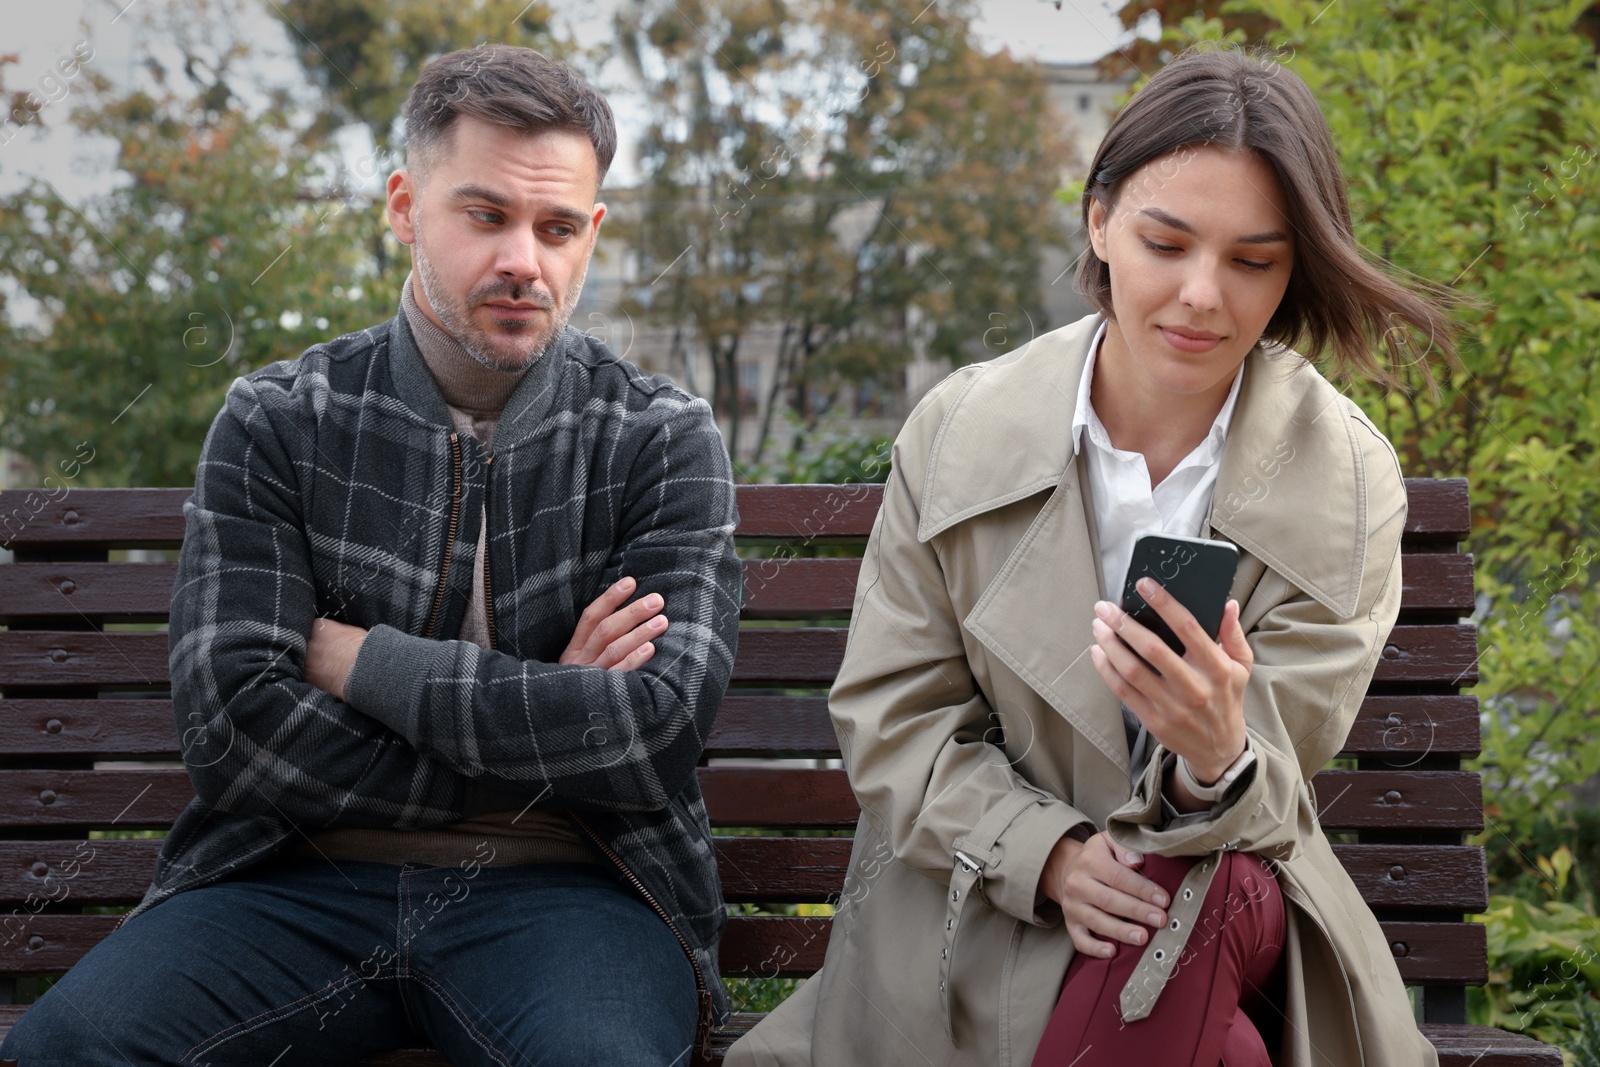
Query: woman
pixel 1067 856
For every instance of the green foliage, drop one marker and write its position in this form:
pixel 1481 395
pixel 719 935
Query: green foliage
pixel 760 994
pixel 364 55
pixel 1545 968
pixel 212 256
pixel 1584 1046
pixel 835 453
pixel 1468 132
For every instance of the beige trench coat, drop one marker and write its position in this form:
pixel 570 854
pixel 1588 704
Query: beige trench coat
pixel 972 720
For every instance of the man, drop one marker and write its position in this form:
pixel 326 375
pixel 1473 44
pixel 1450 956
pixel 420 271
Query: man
pixel 440 799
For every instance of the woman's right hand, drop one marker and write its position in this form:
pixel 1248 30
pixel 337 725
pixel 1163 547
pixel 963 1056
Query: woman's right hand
pixel 1099 890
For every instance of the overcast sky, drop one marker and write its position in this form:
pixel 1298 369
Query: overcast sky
pixel 41 33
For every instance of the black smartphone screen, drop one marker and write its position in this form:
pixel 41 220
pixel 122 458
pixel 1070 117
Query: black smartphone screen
pixel 1198 572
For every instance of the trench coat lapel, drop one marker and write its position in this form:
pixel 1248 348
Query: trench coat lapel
pixel 1036 614
pixel 1291 484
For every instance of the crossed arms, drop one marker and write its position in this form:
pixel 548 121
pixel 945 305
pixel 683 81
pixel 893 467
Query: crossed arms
pixel 441 729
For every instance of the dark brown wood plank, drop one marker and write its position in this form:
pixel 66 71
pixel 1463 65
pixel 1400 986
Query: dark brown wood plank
pixel 774 588
pixel 735 796
pixel 1458 1046
pixel 78 872
pixel 790 870
pixel 772 946
pixel 1441 877
pixel 803 656
pixel 1484 1046
pixel 807 513
pixel 1436 582
pixel 1395 800
pixel 1439 953
pixel 1445 655
pixel 127 799
pixel 1429 655
pixel 103 728
pixel 1400 730
pixel 65 658
pixel 777 588
pixel 1397 729
pixel 762 870
pixel 781 947
pixel 1435 655
pixel 798 588
pixel 789 797
pixel 749 725
pixel 108 517
pixel 41 943
pixel 1438 509
pixel 757 946
pixel 781 870
pixel 102 591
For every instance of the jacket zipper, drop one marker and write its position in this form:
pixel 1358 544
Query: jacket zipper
pixel 488 588
pixel 707 1004
pixel 450 537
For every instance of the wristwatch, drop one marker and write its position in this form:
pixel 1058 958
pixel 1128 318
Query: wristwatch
pixel 1216 790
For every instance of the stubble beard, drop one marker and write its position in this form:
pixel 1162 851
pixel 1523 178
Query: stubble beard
pixel 477 342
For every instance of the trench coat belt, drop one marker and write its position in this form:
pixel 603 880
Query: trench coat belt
pixel 973 856
pixel 1161 955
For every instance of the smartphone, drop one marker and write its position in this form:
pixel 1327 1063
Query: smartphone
pixel 1197 571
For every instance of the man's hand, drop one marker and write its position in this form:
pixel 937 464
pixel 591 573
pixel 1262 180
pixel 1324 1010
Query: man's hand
pixel 1098 889
pixel 1195 704
pixel 616 640
pixel 330 653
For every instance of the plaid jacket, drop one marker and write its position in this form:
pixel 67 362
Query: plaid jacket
pixel 334 485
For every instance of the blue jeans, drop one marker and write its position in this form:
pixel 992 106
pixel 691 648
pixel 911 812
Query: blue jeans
pixel 308 962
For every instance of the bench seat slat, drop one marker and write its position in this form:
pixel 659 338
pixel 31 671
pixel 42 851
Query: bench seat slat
pixel 1458 1046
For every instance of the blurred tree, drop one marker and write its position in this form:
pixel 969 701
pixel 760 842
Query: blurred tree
pixel 210 258
pixel 1145 55
pixel 860 179
pixel 1470 136
pixel 364 55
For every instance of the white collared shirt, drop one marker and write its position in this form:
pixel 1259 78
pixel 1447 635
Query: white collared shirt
pixel 1119 482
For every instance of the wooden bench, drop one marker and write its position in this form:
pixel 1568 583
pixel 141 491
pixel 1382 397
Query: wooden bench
pixel 83 714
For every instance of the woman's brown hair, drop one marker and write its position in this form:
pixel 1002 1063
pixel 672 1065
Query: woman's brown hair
pixel 1339 299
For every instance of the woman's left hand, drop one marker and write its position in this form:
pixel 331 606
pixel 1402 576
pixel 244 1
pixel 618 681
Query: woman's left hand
pixel 1194 706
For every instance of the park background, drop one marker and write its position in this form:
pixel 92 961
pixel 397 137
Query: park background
pixel 818 210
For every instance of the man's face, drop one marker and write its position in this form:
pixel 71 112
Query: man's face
pixel 501 231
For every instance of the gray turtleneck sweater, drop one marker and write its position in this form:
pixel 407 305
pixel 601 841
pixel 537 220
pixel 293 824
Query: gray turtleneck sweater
pixel 475 395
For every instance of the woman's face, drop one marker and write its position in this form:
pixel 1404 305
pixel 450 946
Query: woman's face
pixel 1200 248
